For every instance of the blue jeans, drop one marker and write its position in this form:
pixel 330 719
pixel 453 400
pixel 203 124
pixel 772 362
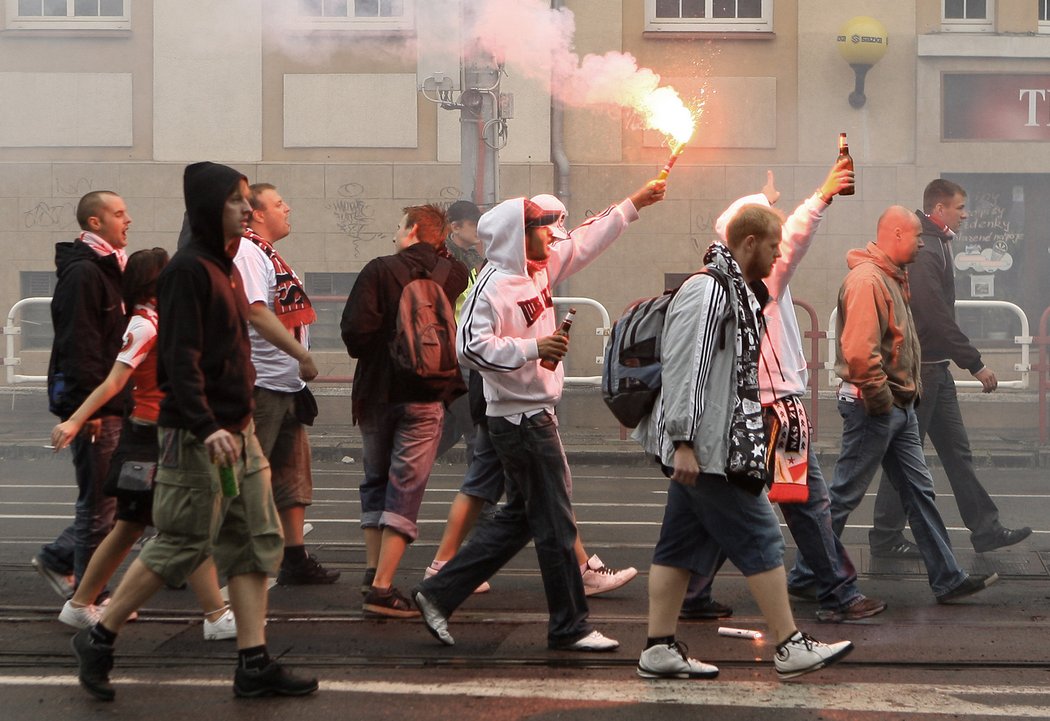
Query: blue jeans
pixel 810 526
pixel 400 444
pixel 941 419
pixel 485 478
pixel 537 509
pixel 95 511
pixel 892 441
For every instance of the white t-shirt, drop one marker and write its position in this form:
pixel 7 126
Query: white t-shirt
pixel 275 370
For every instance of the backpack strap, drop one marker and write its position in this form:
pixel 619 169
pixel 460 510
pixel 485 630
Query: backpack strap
pixel 399 268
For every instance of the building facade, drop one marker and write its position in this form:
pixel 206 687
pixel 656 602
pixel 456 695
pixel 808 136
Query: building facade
pixel 329 101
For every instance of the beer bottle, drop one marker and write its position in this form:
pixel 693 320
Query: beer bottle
pixel 844 153
pixel 563 329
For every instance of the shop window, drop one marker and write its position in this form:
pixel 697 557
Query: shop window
pixel 709 15
pixel 968 16
pixel 328 293
pixel 68 14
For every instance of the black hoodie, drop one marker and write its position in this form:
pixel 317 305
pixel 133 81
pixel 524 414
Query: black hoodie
pixel 88 317
pixel 204 363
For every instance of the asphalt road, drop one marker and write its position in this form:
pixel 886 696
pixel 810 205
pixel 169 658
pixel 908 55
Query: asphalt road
pixel 985 657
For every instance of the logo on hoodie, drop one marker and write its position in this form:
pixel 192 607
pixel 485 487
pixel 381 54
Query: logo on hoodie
pixel 533 308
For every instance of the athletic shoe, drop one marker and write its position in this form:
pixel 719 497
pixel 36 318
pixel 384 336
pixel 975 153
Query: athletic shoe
pixel 308 572
pixel 80 616
pixel 858 608
pixel 431 571
pixel 705 610
pixel 802 653
pixel 388 602
pixel 1000 538
pixel 970 585
pixel 222 628
pixel 672 661
pixel 903 551
pixel 599 578
pixel 95 661
pixel 433 618
pixel 592 642
pixel 61 583
pixel 270 680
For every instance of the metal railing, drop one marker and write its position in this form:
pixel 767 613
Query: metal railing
pixel 11 331
pixel 1024 341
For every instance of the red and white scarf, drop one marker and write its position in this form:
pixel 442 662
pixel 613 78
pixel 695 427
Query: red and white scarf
pixel 102 248
pixel 291 305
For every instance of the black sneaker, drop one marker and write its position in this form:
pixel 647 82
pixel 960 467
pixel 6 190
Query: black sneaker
pixel 306 573
pixel 1000 538
pixel 705 610
pixel 366 581
pixel 970 585
pixel 905 550
pixel 273 679
pixel 388 602
pixel 95 661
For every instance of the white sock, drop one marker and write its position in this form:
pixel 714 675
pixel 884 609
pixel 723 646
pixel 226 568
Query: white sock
pixel 437 565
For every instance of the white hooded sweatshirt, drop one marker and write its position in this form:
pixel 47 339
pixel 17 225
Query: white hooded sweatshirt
pixel 507 310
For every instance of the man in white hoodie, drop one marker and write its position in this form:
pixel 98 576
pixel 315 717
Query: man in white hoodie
pixel 506 327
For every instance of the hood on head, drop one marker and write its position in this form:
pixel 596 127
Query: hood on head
pixel 875 255
pixel 729 213
pixel 206 186
pixel 502 231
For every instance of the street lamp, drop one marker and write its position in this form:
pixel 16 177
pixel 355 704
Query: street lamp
pixel 862 42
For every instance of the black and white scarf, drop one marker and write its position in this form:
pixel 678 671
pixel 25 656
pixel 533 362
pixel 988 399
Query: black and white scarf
pixel 749 453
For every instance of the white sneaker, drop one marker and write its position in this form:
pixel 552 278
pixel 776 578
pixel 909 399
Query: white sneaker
pixel 599 578
pixel 80 616
pixel 223 628
pixel 672 661
pixel 434 620
pixel 594 641
pixel 801 654
pixel 432 570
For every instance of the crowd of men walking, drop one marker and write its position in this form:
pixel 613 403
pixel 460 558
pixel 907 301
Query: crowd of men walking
pixel 182 390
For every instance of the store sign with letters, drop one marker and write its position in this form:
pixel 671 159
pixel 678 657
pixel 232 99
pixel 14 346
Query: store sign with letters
pixel 996 106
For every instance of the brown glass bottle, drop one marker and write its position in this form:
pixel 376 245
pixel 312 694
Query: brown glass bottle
pixel 563 329
pixel 844 153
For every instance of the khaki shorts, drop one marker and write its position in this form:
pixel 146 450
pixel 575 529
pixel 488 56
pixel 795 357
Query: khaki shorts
pixel 285 443
pixel 194 520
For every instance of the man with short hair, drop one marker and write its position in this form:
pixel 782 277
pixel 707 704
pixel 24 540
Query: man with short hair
pixel 707 433
pixel 280 314
pixel 87 313
pixel 877 358
pixel 932 282
pixel 506 329
pixel 399 413
pixel 205 431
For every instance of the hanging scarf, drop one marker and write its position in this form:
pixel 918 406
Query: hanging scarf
pixel 749 453
pixel 102 248
pixel 789 437
pixel 290 302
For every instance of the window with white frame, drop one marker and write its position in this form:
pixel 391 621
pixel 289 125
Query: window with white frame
pixel 1044 16
pixel 68 14
pixel 357 14
pixel 968 16
pixel 709 15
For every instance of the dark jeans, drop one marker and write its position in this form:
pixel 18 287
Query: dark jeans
pixel 940 419
pixel 537 509
pixel 95 511
pixel 892 441
pixel 810 526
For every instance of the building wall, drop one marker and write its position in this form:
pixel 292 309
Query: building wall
pixel 334 120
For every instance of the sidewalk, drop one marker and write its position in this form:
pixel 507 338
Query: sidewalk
pixel 1002 428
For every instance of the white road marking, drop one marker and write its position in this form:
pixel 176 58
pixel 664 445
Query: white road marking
pixel 898 699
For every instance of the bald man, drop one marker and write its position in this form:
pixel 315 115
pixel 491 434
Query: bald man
pixel 877 358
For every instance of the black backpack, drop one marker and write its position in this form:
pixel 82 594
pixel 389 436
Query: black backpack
pixel 631 370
